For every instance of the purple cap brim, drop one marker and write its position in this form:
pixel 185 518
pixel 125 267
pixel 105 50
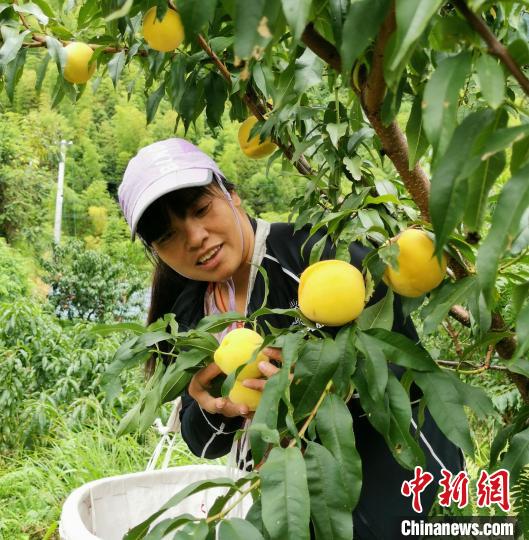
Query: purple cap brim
pixel 171 182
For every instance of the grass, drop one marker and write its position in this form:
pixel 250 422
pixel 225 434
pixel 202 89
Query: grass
pixel 34 485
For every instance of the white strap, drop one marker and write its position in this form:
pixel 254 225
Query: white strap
pixel 168 433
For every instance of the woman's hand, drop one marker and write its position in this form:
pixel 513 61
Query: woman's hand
pixel 199 390
pixel 267 369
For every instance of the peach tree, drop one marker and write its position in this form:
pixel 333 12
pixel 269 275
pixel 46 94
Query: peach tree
pixel 393 114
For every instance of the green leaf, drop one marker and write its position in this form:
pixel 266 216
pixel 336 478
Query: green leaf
pixel 503 138
pixel 517 456
pixel 196 487
pixel 522 331
pixel 267 434
pixel 479 185
pixel 400 350
pixel 505 433
pixel 254 516
pixel 57 52
pixel 285 494
pixel 337 12
pixel 376 368
pixel 88 12
pixel 165 526
pixel 274 389
pixel 342 376
pixel 519 365
pixel 335 430
pixel 115 67
pixel 297 14
pixel 193 531
pixel 329 505
pixel 402 444
pixel 379 315
pixel 195 20
pixel 32 9
pixel 361 25
pixel 315 366
pixel 512 202
pixel 46 9
pixel 441 96
pixel 121 12
pixel 153 101
pixel 445 397
pixel 336 131
pixel 175 81
pixel 417 141
pixel 442 299
pixel 41 73
pixel 449 186
pixel 216 93
pixel 520 154
pixel 491 80
pixel 12 44
pixel 247 18
pixel 192 102
pixel 13 72
pixel 377 411
pixel 173 383
pixel 317 250
pixel 309 68
pixel 446 406
pixel 238 529
pixel 412 17
pixel 130 422
pixel 217 323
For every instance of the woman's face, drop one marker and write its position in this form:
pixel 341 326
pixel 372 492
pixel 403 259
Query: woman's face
pixel 206 245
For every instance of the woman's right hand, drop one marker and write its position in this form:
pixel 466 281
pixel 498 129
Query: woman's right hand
pixel 199 390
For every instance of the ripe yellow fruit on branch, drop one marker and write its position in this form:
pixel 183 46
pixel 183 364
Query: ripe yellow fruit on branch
pixel 165 35
pixel 419 270
pixel 236 349
pixel 331 292
pixel 76 68
pixel 240 395
pixel 252 147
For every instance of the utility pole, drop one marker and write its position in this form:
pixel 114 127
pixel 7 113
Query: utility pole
pixel 60 192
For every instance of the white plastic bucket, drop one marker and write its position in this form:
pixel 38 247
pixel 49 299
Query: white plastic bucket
pixel 106 509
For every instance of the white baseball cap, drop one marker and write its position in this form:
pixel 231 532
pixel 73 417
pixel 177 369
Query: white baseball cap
pixel 160 168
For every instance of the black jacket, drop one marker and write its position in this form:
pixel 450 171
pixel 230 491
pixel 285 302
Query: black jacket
pixel 381 506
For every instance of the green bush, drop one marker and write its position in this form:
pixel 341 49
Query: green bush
pixel 13 274
pixel 92 286
pixel 45 365
pixel 34 485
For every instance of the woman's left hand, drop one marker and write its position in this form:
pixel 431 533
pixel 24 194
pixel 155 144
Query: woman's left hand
pixel 267 369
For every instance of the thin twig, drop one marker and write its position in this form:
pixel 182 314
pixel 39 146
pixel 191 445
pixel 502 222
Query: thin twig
pixel 243 494
pixel 455 363
pixel 22 18
pixel 455 338
pixel 496 48
pixel 312 414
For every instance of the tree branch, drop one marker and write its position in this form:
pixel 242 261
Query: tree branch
pixel 392 138
pixel 496 48
pixel 395 144
pixel 257 108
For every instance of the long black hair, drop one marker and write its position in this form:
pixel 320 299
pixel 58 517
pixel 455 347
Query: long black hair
pixel 167 284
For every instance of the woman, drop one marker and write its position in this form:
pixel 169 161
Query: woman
pixel 207 250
